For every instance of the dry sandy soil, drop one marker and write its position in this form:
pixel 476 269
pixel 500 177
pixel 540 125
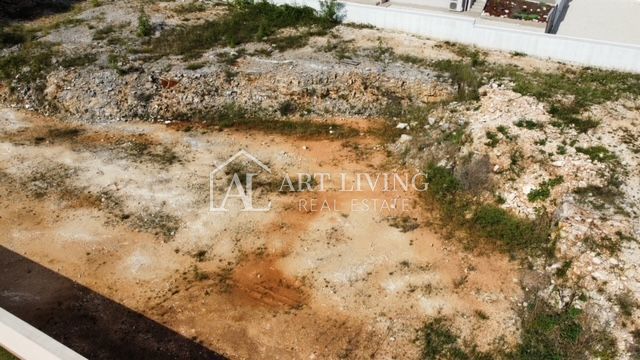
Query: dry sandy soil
pixel 287 283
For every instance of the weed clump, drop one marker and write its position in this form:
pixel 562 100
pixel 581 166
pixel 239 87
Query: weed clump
pixel 549 333
pixel 544 190
pixel 145 28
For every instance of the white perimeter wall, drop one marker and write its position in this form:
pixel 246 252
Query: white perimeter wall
pixel 465 30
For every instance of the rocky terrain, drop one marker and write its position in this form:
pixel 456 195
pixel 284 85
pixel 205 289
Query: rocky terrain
pixel 525 245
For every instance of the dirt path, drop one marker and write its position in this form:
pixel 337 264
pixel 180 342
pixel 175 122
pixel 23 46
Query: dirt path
pixel 123 210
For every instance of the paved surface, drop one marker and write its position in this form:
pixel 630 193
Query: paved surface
pixel 610 20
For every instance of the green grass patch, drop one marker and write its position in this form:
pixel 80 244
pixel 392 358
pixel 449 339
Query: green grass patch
pixel 5 355
pixel 597 153
pixel 244 22
pixel 549 333
pixel 233 116
pixel 528 124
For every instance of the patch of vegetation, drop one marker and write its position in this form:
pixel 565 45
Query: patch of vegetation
pixel 233 116
pixel 543 191
pixel 627 303
pixel 513 232
pixel 190 7
pixel 199 275
pixel 493 139
pixel 156 222
pixel 528 124
pixel 464 75
pixel 104 32
pixel 31 63
pixel 145 28
pixel 562 271
pixel 145 152
pixel 195 65
pixel 597 153
pixel 567 333
pixel 5 355
pixel 598 196
pixel 200 255
pixel 287 108
pixel 246 21
pixel 14 35
pixel 490 222
pixel 404 223
pixel 79 60
pixel 438 341
pixel 47 178
pixel 230 58
pixel 578 89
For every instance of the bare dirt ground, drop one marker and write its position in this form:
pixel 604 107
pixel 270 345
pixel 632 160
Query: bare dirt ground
pixel 286 283
pixel 113 114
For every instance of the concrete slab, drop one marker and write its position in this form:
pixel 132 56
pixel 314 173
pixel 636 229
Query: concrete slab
pixel 609 20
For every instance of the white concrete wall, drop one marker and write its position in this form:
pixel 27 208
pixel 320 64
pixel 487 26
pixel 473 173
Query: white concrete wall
pixel 443 26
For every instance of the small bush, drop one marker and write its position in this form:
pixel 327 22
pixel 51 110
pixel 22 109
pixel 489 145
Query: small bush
pixel 145 28
pixel 438 341
pixel 544 189
pixel 442 183
pixel 528 124
pixel 492 138
pixel 287 108
pixel 627 303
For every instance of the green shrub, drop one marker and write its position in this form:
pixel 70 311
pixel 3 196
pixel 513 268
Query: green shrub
pixel 442 182
pixel 544 189
pixel 145 28
pixel 528 124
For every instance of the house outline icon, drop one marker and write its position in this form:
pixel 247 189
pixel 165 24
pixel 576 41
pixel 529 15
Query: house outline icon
pixel 221 167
